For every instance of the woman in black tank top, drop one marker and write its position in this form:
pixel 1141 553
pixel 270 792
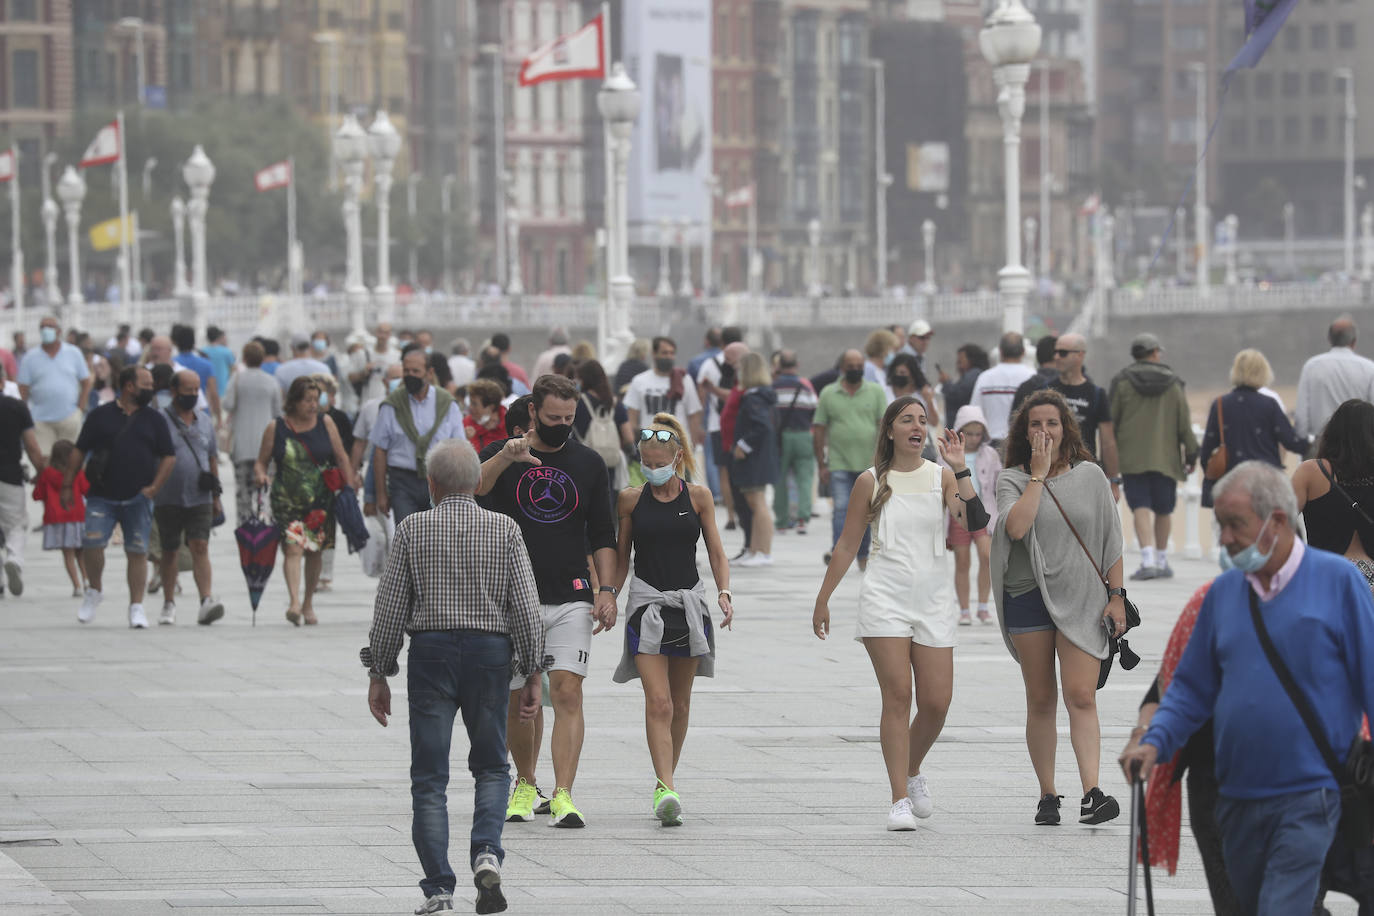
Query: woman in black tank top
pixel 1336 490
pixel 668 637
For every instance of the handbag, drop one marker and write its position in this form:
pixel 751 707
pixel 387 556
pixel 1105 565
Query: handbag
pixel 1218 461
pixel 1116 642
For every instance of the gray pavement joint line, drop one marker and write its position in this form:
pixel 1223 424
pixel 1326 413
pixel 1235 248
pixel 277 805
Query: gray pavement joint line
pixel 22 893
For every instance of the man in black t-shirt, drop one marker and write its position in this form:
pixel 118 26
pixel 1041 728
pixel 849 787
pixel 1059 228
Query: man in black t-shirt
pixel 557 492
pixel 16 438
pixel 130 444
pixel 1089 403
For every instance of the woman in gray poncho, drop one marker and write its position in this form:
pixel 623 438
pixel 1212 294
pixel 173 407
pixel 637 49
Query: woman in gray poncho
pixel 1050 601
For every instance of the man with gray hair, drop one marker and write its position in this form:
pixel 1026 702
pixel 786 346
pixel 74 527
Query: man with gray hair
pixel 458 580
pixel 1330 379
pixel 460 362
pixel 1278 607
pixel 558 345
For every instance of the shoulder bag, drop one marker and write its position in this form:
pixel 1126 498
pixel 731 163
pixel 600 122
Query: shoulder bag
pixel 206 481
pixel 1218 461
pixel 1116 642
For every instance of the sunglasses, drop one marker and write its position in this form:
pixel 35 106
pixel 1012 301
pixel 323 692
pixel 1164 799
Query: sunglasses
pixel 662 435
pixel 1066 352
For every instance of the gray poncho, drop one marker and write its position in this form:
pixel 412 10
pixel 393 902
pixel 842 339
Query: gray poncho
pixel 1072 592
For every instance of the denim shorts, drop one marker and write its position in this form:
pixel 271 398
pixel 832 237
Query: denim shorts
pixel 1151 490
pixel 134 516
pixel 1026 613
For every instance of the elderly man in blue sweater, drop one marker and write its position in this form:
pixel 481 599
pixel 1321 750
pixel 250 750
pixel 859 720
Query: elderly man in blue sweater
pixel 1279 803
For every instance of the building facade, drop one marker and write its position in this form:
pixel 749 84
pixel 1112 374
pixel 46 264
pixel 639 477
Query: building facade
pixel 36 85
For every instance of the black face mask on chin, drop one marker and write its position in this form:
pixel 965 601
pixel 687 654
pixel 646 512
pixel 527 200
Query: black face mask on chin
pixel 555 436
pixel 143 396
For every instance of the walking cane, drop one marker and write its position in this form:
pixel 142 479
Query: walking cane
pixel 1140 839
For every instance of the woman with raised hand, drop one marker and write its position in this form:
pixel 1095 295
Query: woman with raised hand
pixel 669 639
pixel 907 614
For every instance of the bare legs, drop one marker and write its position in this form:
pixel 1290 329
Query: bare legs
pixel 1078 672
pixel 1150 525
pixel 761 536
pixel 905 745
pixel 667 705
pixel 565 690
pixel 962 556
pixel 291 569
pixel 137 574
pixel 76 566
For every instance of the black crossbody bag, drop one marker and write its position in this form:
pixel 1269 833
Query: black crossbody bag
pixel 99 459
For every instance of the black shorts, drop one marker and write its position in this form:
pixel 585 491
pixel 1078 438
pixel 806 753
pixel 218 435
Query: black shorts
pixel 1026 613
pixel 174 522
pixel 1151 490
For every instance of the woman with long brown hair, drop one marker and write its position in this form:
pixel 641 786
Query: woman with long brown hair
pixel 1050 600
pixel 907 614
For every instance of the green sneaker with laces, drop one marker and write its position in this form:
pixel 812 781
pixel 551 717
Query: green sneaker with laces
pixel 562 811
pixel 667 806
pixel 521 807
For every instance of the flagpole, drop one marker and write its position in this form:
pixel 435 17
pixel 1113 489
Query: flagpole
pixel 136 269
pixel 16 247
pixel 292 267
pixel 125 273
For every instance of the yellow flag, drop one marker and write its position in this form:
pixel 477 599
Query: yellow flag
pixel 110 233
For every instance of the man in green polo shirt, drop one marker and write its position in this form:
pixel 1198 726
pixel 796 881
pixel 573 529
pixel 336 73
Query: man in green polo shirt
pixel 844 433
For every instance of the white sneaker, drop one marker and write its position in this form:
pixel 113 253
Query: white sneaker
pixel 439 903
pixel 137 619
pixel 211 609
pixel 762 559
pixel 746 559
pixel 918 793
pixel 965 618
pixel 900 817
pixel 169 614
pixel 88 606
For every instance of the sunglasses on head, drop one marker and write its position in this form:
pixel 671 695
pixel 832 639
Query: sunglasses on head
pixel 662 435
pixel 1066 352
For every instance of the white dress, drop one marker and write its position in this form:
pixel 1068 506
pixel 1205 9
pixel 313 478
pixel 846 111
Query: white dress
pixel 908 587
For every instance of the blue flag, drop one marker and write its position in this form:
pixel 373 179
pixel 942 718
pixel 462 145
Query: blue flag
pixel 1263 19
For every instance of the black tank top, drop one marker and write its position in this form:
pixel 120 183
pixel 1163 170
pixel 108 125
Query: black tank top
pixel 665 540
pixel 1332 522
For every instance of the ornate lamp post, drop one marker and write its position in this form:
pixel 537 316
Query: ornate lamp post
pixel 71 190
pixel 664 289
pixel 516 284
pixel 1009 41
pixel 199 174
pixel 50 214
pixel 684 287
pixel 182 286
pixel 1367 244
pixel 350 150
pixel 386 143
pixel 1232 229
pixel 813 262
pixel 618 101
pixel 1030 227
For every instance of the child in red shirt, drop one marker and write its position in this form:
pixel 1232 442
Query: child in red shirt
pixel 64 527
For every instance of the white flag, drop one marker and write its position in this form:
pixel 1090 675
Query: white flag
pixel 7 165
pixel 740 197
pixel 274 176
pixel 580 55
pixel 104 149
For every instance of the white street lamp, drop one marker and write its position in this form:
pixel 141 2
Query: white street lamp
pixel 1232 228
pixel 928 285
pixel 813 261
pixel 135 23
pixel 386 144
pixel 1289 212
pixel 881 179
pixel 515 286
pixel 1009 41
pixel 618 101
pixel 182 285
pixel 1367 244
pixel 445 209
pixel 71 190
pixel 664 289
pixel 1348 75
pixel 1030 226
pixel 1108 250
pixel 50 212
pixel 350 151
pixel 684 287
pixel 331 41
pixel 414 267
pixel 1180 243
pixel 1202 217
pixel 199 174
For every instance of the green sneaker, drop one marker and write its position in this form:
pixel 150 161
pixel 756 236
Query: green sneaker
pixel 562 812
pixel 667 806
pixel 521 807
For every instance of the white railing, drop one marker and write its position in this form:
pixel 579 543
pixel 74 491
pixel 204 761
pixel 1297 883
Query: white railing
pixel 1276 297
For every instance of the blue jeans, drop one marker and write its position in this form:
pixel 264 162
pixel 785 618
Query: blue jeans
pixel 841 483
pixel 407 492
pixel 449 671
pixel 133 515
pixel 1274 848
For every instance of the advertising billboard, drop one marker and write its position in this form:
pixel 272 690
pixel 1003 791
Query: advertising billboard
pixel 668 55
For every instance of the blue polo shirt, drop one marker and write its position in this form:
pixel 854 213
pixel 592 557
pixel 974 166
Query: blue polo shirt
pixel 54 382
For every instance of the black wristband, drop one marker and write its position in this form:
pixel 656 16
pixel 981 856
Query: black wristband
pixel 962 474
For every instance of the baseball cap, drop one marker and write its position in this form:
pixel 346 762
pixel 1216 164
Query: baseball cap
pixel 1145 343
pixel 920 328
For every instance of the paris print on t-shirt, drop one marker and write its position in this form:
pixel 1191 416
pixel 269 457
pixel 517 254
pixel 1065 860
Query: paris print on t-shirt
pixel 546 495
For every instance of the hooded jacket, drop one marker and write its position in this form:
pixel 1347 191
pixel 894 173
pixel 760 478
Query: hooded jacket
pixel 1154 428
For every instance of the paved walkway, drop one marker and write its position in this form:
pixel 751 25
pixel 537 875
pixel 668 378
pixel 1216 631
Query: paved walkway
pixel 236 770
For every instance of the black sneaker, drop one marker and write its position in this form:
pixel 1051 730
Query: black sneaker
pixel 486 877
pixel 1047 812
pixel 1098 808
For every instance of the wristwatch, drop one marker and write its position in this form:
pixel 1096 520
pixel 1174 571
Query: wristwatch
pixel 962 474
pixel 609 588
pixel 1116 593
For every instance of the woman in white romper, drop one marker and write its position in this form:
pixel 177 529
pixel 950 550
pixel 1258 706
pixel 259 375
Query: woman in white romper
pixel 907 612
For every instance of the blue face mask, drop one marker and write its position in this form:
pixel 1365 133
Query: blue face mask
pixel 324 400
pixel 47 334
pixel 659 476
pixel 1249 560
pixel 887 360
pixel 392 384
pixel 319 345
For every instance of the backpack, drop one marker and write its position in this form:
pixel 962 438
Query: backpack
pixel 602 436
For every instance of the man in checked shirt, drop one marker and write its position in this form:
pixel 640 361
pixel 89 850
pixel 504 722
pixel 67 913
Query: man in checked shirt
pixel 458 580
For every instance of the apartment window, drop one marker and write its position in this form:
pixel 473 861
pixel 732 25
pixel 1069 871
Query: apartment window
pixel 536 187
pixel 558 111
pixel 1319 130
pixel 1182 130
pixel 561 187
pixel 1320 37
pixel 535 112
pixel 1238 132
pixel 562 272
pixel 851 41
pixel 804 40
pixel 1264 85
pixel 1345 36
pixel 721 40
pixel 334 19
pixel 1318 83
pixel 742 114
pixel 722 115
pixel 395 22
pixel 742 37
pixel 1264 130
pixel 25 68
pixel 1292 131
pixel 1292 39
pixel 1292 84
pixel 24 9
pixel 1189 38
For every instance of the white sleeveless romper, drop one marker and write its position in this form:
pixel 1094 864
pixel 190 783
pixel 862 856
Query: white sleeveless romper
pixel 908 588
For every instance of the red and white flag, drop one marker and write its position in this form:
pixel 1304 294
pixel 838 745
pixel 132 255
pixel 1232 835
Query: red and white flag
pixel 274 176
pixel 740 197
pixel 104 149
pixel 1090 205
pixel 7 165
pixel 580 55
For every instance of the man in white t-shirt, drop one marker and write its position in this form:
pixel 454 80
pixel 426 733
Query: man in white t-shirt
pixel 995 389
pixel 664 389
pixel 714 389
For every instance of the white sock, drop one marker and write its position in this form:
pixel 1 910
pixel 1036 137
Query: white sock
pixel 982 607
pixel 1160 558
pixel 1147 556
pixel 963 612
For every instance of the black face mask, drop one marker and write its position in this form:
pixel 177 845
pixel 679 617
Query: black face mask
pixel 143 396
pixel 664 363
pixel 185 401
pixel 553 436
pixel 853 376
pixel 414 383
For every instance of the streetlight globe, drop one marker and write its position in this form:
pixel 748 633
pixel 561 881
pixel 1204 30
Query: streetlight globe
pixel 350 142
pixel 618 101
pixel 1010 36
pixel 386 141
pixel 199 171
pixel 50 209
pixel 928 231
pixel 71 187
